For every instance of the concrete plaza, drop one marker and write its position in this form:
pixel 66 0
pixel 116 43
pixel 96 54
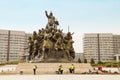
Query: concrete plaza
pixel 60 77
pixel 56 76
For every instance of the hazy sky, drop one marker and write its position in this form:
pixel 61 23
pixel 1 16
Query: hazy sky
pixel 83 16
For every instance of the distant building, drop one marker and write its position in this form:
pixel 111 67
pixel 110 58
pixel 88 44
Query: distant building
pixel 12 44
pixel 101 46
pixel 79 55
pixel 116 39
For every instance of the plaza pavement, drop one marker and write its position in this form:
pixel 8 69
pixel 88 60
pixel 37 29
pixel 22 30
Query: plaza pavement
pixel 60 77
pixel 56 76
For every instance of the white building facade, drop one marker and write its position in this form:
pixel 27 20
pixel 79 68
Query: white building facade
pixel 12 44
pixel 101 46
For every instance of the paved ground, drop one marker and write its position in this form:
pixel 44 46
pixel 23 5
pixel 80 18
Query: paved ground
pixel 55 76
pixel 60 77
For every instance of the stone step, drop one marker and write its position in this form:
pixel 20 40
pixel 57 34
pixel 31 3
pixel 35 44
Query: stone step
pixel 51 68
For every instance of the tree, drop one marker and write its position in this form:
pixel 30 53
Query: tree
pixel 92 61
pixel 85 60
pixel 79 60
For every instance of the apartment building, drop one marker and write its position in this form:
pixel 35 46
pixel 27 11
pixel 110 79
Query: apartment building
pixel 3 45
pixel 116 45
pixel 100 46
pixel 12 44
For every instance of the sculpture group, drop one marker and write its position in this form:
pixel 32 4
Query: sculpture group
pixel 51 44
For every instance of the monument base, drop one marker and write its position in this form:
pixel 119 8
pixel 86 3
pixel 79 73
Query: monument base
pixel 53 56
pixel 51 68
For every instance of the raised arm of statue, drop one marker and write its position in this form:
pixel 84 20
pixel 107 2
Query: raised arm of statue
pixel 46 13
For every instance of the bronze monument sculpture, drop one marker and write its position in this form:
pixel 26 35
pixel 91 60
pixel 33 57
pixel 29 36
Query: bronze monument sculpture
pixel 51 44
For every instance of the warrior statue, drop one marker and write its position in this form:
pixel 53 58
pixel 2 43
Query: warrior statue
pixel 51 44
pixel 52 22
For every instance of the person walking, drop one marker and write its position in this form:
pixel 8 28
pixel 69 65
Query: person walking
pixel 34 69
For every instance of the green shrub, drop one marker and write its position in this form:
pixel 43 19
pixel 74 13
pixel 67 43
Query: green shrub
pixel 94 64
pixel 108 65
pixel 79 60
pixel 12 62
pixel 85 60
pixel 100 62
pixel 92 61
pixel 114 65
